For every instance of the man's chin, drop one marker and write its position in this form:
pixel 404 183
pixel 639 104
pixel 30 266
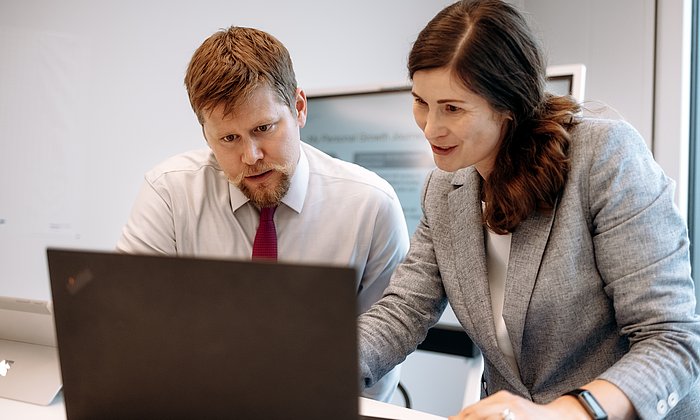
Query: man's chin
pixel 266 195
pixel 264 200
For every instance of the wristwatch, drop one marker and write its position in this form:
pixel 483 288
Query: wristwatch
pixel 589 402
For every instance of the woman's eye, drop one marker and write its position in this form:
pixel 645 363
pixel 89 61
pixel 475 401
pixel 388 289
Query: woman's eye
pixel 418 101
pixel 451 108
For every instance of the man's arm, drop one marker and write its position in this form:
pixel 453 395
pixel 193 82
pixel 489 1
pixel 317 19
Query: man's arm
pixel 390 244
pixel 150 228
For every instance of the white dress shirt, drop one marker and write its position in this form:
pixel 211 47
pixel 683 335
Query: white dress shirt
pixel 335 212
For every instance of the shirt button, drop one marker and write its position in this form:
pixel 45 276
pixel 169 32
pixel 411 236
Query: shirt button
pixel 672 399
pixel 661 407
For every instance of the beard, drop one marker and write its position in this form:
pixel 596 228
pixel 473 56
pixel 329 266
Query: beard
pixel 267 194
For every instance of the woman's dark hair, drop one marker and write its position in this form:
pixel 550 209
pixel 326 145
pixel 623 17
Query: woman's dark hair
pixel 489 47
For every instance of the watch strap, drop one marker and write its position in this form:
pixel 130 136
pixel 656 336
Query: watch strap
pixel 588 401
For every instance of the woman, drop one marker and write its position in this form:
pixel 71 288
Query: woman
pixel 553 236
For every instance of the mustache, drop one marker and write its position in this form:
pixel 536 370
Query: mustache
pixel 258 169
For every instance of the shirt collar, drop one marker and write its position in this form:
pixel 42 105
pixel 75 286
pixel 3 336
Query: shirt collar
pixel 296 194
pixel 294 198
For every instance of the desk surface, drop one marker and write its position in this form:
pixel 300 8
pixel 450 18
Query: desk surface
pixel 55 411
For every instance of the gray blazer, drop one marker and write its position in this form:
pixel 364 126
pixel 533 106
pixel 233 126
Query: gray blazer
pixel 599 288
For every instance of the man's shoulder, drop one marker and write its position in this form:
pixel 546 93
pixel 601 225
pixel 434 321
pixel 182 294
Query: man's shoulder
pixel 189 162
pixel 353 175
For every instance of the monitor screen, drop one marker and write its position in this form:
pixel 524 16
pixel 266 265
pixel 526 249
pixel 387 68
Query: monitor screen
pixel 375 129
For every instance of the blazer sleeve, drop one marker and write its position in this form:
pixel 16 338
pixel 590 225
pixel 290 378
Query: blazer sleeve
pixel 642 253
pixel 412 303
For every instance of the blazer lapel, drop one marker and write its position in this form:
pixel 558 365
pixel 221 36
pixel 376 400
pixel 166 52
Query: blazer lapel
pixel 469 247
pixel 467 239
pixel 528 243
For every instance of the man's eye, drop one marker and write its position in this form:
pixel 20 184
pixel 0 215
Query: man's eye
pixel 451 108
pixel 230 138
pixel 264 128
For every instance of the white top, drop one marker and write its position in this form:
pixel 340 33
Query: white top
pixel 497 254
pixel 335 212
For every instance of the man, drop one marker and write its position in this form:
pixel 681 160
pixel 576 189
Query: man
pixel 208 202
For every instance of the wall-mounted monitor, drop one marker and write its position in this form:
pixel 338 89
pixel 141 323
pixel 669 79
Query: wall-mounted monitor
pixel 374 128
pixel 569 79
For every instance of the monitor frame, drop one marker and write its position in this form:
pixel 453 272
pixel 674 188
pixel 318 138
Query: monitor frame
pixel 575 74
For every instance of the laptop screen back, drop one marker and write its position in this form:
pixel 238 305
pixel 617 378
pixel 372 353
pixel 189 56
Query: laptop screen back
pixel 164 337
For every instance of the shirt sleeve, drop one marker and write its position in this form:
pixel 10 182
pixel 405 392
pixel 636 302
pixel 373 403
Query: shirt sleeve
pixel 388 248
pixel 150 227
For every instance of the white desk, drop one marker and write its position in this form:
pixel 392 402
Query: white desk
pixel 379 409
pixel 12 409
pixel 18 410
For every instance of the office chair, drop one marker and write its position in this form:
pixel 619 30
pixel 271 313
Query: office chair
pixel 452 340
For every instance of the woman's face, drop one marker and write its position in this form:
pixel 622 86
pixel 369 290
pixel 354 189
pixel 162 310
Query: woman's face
pixel 461 127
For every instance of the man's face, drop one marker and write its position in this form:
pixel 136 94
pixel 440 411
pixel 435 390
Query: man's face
pixel 258 144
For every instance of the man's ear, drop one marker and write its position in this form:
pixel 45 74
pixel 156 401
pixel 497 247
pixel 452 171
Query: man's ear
pixel 204 134
pixel 300 106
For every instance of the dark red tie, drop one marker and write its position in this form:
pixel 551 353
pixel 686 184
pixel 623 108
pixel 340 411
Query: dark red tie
pixel 265 244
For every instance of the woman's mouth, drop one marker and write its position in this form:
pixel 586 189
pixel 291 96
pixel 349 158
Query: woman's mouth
pixel 442 150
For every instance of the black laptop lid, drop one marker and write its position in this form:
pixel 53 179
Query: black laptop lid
pixel 163 337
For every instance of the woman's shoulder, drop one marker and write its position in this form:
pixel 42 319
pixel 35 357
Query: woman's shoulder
pixel 602 136
pixel 602 127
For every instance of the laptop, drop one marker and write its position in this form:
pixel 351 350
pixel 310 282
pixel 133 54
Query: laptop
pixel 29 365
pixel 144 336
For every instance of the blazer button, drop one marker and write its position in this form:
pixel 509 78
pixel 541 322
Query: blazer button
pixel 672 399
pixel 661 407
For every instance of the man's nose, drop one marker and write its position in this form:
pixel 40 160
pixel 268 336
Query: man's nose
pixel 252 152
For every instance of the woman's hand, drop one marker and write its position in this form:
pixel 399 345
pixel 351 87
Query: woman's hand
pixel 506 406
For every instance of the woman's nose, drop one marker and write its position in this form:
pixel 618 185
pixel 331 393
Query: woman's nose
pixel 433 127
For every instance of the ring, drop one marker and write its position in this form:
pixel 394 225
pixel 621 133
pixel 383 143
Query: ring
pixel 507 414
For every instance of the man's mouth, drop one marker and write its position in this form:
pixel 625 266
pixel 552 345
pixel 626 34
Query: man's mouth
pixel 259 177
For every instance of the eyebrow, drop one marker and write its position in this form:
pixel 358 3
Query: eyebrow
pixel 440 101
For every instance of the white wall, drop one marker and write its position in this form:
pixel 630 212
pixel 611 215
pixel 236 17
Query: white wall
pixel 92 96
pixel 615 40
pixel 672 95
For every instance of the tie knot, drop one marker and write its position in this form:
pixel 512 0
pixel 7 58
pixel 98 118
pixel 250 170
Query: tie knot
pixel 266 213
